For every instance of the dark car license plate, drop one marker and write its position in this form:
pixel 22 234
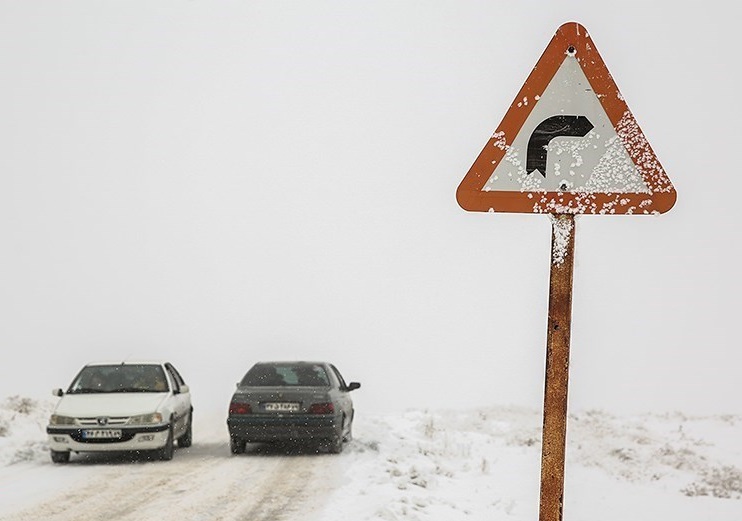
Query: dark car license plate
pixel 281 407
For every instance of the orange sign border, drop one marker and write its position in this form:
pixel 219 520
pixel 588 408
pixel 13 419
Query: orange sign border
pixel 571 35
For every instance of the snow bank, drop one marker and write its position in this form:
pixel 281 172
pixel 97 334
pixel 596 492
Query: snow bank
pixel 23 430
pixel 473 464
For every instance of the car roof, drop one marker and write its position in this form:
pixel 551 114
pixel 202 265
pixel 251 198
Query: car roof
pixel 290 362
pixel 127 362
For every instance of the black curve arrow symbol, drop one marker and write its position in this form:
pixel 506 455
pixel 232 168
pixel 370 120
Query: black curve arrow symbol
pixel 548 129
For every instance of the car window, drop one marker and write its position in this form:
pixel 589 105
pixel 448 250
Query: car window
pixel 176 378
pixel 339 377
pixel 173 381
pixel 146 378
pixel 283 375
pixel 175 373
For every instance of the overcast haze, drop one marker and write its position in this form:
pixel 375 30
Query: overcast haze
pixel 217 183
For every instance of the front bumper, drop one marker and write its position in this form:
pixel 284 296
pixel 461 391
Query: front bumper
pixel 132 439
pixel 289 427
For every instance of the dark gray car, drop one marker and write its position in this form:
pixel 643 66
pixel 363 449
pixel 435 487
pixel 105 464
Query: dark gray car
pixel 291 402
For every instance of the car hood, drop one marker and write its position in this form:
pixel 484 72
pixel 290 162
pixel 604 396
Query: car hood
pixel 109 404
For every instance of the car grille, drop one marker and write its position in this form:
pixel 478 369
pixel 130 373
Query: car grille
pixel 111 421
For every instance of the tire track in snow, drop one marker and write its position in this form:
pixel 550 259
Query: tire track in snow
pixel 111 487
pixel 203 483
pixel 283 491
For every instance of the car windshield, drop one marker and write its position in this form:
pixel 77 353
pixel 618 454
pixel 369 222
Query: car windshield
pixel 282 375
pixel 122 378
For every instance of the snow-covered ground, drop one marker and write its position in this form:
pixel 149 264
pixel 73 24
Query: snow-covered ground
pixel 479 464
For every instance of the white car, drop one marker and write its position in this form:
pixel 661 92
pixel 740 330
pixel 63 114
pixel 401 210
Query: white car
pixel 122 406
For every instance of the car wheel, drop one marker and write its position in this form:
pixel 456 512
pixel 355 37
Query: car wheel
pixel 335 444
pixel 166 452
pixel 349 432
pixel 60 456
pixel 187 438
pixel 236 445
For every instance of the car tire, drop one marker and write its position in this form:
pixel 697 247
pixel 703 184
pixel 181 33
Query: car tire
pixel 236 445
pixel 187 438
pixel 166 452
pixel 60 456
pixel 349 432
pixel 335 444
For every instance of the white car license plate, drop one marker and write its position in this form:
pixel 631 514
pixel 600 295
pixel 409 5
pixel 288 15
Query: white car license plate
pixel 282 407
pixel 101 434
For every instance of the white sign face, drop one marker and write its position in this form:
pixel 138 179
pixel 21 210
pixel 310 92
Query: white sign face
pixel 567 144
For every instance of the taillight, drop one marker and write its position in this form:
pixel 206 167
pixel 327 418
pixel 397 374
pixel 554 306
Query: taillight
pixel 322 408
pixel 239 408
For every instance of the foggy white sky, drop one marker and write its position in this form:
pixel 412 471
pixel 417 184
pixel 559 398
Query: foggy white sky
pixel 217 183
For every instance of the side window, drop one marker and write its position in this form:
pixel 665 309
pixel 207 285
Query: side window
pixel 339 377
pixel 175 376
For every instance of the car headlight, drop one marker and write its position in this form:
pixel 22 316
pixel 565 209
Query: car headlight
pixel 146 419
pixel 56 419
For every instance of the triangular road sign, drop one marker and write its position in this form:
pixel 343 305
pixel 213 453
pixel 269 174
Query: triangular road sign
pixel 568 144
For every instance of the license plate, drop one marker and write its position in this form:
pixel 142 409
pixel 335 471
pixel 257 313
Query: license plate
pixel 282 407
pixel 101 434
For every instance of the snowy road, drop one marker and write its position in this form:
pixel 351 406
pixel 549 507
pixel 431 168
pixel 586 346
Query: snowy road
pixel 202 483
pixel 469 465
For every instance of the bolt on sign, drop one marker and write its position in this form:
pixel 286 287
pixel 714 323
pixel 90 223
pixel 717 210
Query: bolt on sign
pixel 568 145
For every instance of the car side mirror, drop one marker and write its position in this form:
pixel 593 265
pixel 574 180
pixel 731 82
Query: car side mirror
pixel 57 392
pixel 352 386
pixel 184 389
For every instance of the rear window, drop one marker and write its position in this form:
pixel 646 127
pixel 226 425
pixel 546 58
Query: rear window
pixel 284 375
pixel 143 378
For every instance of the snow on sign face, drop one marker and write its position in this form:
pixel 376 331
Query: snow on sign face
pixel 568 144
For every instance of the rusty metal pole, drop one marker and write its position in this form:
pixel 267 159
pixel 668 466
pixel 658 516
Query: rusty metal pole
pixel 554 433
